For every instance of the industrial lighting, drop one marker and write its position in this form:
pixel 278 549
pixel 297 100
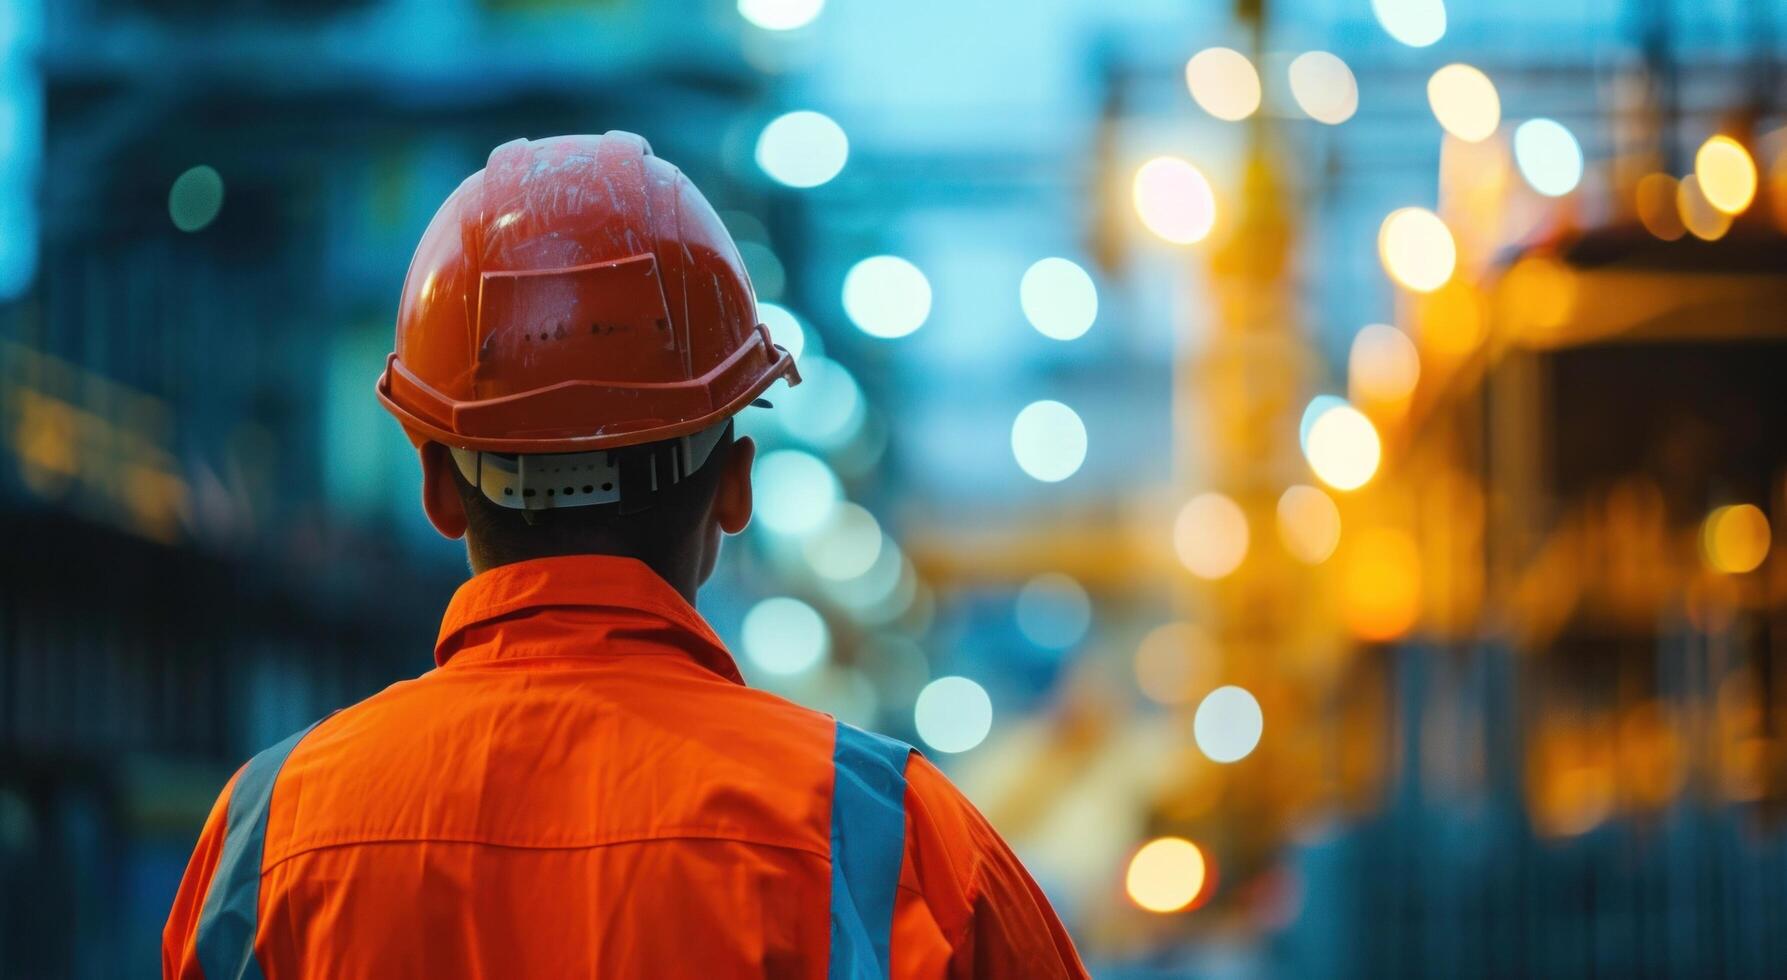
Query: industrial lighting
pixel 785 636
pixel 1174 200
pixel 1548 156
pixel 195 198
pixel 1416 23
pixel 1658 209
pixel 1165 875
pixel 886 296
pixel 1210 535
pixel 1698 215
pixel 1224 83
pixel 1381 584
pixel 847 547
pixel 1228 724
pixel 1308 524
pixel 802 149
pixel 1465 102
pixel 1059 298
pixel 1049 441
pixel 1343 448
pixel 1324 87
pixel 953 714
pixel 1727 174
pixel 1417 249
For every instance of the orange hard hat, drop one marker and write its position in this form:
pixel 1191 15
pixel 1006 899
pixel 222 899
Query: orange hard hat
pixel 577 294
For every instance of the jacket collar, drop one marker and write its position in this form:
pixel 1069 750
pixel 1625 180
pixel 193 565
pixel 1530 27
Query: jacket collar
pixel 588 581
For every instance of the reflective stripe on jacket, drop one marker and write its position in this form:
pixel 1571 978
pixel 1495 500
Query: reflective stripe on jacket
pixel 585 787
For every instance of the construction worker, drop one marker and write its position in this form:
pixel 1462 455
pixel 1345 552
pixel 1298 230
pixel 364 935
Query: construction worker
pixel 584 786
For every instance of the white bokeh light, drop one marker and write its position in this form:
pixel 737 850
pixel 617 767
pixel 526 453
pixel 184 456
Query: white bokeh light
pixel 780 15
pixel 1228 724
pixel 1548 156
pixel 847 546
pixel 796 492
pixel 827 408
pixel 887 296
pixel 1343 448
pixel 1053 611
pixel 1416 23
pixel 953 714
pixel 1049 441
pixel 1324 87
pixel 1174 200
pixel 1059 298
pixel 802 148
pixel 785 636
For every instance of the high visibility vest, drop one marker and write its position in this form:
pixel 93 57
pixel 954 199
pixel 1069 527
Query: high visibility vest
pixel 585 787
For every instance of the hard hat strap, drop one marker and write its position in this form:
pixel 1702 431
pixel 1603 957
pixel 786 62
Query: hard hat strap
pixel 630 476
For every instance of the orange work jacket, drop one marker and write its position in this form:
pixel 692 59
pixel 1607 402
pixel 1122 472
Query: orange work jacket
pixel 584 786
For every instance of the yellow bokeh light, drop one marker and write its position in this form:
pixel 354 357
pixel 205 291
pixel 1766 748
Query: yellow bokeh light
pixel 1174 200
pixel 1727 174
pixel 1657 209
pixel 1417 249
pixel 1381 586
pixel 1166 874
pixel 1343 448
pixel 1540 292
pixel 1308 524
pixel 1465 102
pixel 1698 215
pixel 1224 83
pixel 1735 539
pixel 1175 663
pixel 1210 535
pixel 1382 365
pixel 1452 320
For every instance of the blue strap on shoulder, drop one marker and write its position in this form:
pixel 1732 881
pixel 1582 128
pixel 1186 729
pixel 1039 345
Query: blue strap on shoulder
pixel 230 918
pixel 868 841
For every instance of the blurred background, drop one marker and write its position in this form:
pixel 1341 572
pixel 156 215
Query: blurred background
pixel 1312 470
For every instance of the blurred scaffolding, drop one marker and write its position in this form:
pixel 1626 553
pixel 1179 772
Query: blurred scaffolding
pixel 1311 472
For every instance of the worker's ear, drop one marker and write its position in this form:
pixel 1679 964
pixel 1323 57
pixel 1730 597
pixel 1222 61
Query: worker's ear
pixel 732 501
pixel 440 493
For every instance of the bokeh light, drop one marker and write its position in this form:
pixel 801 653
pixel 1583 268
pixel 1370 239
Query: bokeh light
pixel 1165 875
pixel 827 409
pixel 1324 87
pixel 1697 214
pixel 847 546
pixel 783 635
pixel 1228 724
pixel 953 714
pixel 1224 83
pixel 1174 200
pixel 1548 156
pixel 1053 611
pixel 784 328
pixel 1727 174
pixel 1657 207
pixel 1465 102
pixel 1308 524
pixel 1416 23
pixel 1317 407
pixel 796 493
pixel 1059 298
pixel 1383 364
pixel 1343 448
pixel 886 296
pixel 1174 662
pixel 1210 535
pixel 1417 249
pixel 1049 441
pixel 780 15
pixel 802 149
pixel 1381 584
pixel 1735 539
pixel 196 198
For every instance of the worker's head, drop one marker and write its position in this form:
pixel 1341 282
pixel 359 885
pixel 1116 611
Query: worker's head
pixel 576 333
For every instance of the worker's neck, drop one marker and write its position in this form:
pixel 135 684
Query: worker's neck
pixel 681 572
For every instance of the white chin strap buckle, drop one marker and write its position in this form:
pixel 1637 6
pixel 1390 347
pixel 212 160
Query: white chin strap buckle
pixel 605 476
